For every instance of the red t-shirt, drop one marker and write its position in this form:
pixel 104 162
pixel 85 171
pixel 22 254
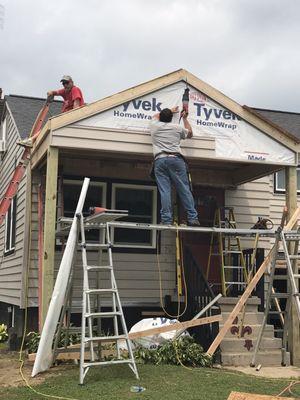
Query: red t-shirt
pixel 70 97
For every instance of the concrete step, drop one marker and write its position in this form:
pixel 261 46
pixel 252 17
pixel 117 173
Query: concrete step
pixel 250 318
pixel 250 331
pixel 227 304
pixel 238 344
pixel 265 358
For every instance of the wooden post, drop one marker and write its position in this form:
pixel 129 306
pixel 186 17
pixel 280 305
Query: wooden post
pixel 291 203
pixel 49 229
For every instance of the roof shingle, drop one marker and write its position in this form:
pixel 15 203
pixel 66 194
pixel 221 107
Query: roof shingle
pixel 25 110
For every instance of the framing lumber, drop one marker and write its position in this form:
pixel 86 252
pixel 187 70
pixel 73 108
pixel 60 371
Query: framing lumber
pixel 175 327
pixel 49 230
pixel 249 289
pixel 253 396
pixel 291 202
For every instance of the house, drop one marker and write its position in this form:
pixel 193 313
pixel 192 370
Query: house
pixel 234 156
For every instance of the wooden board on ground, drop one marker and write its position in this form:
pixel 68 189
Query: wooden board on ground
pixel 253 396
pixel 68 354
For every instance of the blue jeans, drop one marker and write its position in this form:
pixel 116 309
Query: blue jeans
pixel 170 170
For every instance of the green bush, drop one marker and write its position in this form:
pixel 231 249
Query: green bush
pixel 33 340
pixel 3 333
pixel 183 350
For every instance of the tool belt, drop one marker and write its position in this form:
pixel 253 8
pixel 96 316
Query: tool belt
pixel 152 173
pixel 263 223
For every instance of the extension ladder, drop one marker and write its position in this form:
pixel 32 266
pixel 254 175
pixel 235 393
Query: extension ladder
pixel 290 242
pixel 88 337
pixel 227 248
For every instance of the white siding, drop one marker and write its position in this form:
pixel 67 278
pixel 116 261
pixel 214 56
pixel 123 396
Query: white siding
pixel 250 201
pixel 11 265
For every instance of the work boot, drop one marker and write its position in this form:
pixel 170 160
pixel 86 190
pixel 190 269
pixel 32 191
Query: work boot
pixel 25 142
pixel 194 223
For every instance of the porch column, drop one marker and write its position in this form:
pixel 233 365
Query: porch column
pixel 49 229
pixel 291 202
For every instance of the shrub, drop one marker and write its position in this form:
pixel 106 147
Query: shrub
pixel 3 333
pixel 183 350
pixel 34 340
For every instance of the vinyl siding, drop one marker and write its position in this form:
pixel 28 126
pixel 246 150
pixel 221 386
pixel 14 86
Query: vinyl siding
pixel 11 266
pixel 250 201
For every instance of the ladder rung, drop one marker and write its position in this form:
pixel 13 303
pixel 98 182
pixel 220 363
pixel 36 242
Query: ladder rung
pixel 99 291
pixel 98 267
pixel 97 245
pixel 103 314
pixel 294 257
pixel 280 295
pixel 95 363
pixel 236 283
pixel 233 267
pixel 280 277
pixel 105 338
pixel 276 312
pixel 296 276
pixel 232 252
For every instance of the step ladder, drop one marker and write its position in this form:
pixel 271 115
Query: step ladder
pixel 227 247
pixel 290 246
pixel 90 338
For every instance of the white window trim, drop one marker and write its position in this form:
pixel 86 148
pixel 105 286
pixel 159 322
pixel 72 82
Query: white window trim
pixel 280 190
pixel 3 129
pixel 154 213
pixel 3 135
pixel 10 248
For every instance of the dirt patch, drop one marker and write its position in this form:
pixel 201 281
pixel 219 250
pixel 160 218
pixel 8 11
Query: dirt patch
pixel 10 370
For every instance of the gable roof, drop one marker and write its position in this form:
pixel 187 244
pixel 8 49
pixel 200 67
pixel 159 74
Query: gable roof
pixel 143 89
pixel 289 121
pixel 25 110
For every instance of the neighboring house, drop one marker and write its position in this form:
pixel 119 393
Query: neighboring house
pixel 233 157
pixel 17 115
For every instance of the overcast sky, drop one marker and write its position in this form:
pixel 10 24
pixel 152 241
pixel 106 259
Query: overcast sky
pixel 248 49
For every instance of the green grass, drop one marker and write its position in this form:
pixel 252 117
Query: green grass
pixel 161 382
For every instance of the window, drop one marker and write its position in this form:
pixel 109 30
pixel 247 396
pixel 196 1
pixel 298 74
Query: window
pixel 279 181
pixel 96 196
pixel 10 227
pixel 141 203
pixel 3 135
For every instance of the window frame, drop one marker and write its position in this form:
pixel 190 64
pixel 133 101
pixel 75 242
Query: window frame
pixel 280 190
pixel 153 189
pixel 11 220
pixel 93 183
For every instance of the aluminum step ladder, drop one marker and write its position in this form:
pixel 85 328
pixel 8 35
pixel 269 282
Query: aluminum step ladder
pixel 92 338
pixel 228 247
pixel 290 243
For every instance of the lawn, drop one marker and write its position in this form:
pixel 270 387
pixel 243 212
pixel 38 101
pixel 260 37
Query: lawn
pixel 161 382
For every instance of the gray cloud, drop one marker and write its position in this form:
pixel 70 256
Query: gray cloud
pixel 246 49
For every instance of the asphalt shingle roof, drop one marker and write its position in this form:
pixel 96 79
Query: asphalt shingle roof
pixel 25 110
pixel 289 121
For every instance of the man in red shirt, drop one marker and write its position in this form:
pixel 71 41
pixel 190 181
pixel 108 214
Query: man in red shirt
pixel 71 94
pixel 72 99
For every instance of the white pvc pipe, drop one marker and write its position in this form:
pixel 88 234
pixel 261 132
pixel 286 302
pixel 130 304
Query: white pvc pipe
pixel 43 359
